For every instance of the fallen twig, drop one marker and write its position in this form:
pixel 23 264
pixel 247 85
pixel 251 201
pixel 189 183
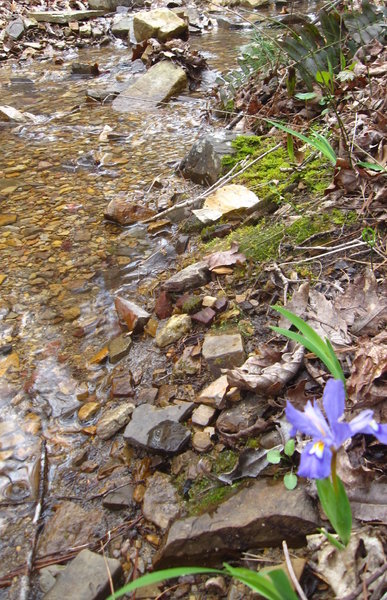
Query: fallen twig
pixel 292 574
pixel 367 582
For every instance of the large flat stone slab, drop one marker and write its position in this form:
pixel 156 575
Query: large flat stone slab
pixel 160 83
pixel 64 17
pixel 259 516
pixel 85 578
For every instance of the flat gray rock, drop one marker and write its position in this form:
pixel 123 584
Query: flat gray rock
pixel 85 578
pixel 146 419
pixel 161 503
pixel 191 277
pixel 65 16
pixel 259 516
pixel 223 352
pixel 160 82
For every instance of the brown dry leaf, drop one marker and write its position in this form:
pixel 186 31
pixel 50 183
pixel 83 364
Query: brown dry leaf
pixel 326 320
pixel 226 258
pixel 297 305
pixel 363 305
pixel 270 379
pixel 367 384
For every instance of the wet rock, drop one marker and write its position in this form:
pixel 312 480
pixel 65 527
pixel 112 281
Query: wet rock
pixel 64 17
pixel 204 316
pixel 147 396
pixel 122 387
pixel 134 316
pixel 9 114
pixel 191 277
pixel 108 5
pixel 161 24
pixel 214 394
pixel 113 420
pixel 122 26
pixel 161 503
pixel 88 410
pixel 125 211
pixel 163 306
pixel 72 313
pixel 146 418
pixel 48 575
pixel 259 516
pixel 203 415
pixel 119 347
pixel 228 200
pixel 103 94
pixel 160 82
pixel 203 163
pixel 181 244
pixel 201 441
pixel 15 29
pixel 186 365
pixel 7 219
pixel 120 498
pixel 70 525
pixel 85 69
pixel 255 3
pixel 223 352
pixel 173 330
pixel 86 577
pixel 168 437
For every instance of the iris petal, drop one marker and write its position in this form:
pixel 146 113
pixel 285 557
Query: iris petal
pixel 334 400
pixel 314 465
pixel 311 422
pixel 365 423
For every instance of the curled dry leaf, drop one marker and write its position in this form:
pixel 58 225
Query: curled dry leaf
pixel 250 463
pixel 269 379
pixel 367 384
pixel 226 258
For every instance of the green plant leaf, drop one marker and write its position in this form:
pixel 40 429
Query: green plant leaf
pixel 159 576
pixel 290 147
pixel 325 148
pixel 306 96
pixel 312 341
pixel 331 539
pixel 290 447
pixel 270 586
pixel 372 166
pixel 324 78
pixel 273 457
pixel 290 481
pixel 336 506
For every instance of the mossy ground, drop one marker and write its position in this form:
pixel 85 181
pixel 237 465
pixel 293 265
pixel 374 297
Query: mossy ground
pixel 273 174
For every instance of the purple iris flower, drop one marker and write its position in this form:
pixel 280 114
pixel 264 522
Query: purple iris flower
pixel 328 434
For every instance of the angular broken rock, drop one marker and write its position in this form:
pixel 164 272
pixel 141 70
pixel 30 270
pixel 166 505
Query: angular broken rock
pixel 161 24
pixel 203 163
pixel 214 394
pixel 119 347
pixel 203 415
pixel 122 497
pixel 223 352
pixel 160 82
pixel 161 503
pixel 189 278
pixel 169 437
pixel 227 200
pixel 134 316
pixel 146 419
pixel 113 420
pixel 259 516
pixel 173 330
pixel 86 577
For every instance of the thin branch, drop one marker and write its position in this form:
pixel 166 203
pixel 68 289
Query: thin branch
pixel 367 582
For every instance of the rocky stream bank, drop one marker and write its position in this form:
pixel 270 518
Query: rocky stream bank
pixel 141 387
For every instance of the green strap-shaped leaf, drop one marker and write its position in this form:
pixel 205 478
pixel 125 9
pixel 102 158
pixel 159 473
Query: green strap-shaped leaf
pixel 159 576
pixel 322 146
pixel 278 588
pixel 336 506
